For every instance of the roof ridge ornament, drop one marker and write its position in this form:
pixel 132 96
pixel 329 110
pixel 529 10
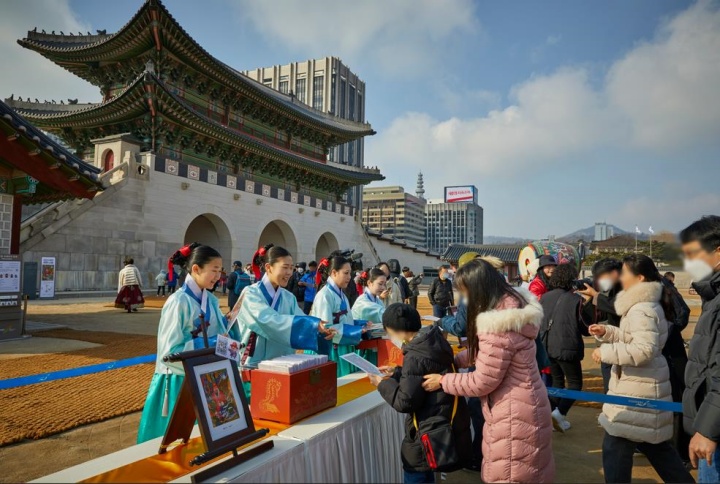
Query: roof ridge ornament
pixel 150 67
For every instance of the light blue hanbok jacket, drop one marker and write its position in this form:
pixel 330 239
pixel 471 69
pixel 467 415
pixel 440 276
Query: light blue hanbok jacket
pixel 180 316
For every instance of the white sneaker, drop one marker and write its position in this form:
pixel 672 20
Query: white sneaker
pixel 560 423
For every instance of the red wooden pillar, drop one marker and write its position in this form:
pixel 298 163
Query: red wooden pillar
pixel 15 227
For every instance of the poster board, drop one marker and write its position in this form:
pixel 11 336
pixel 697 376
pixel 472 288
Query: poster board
pixel 47 278
pixel 10 297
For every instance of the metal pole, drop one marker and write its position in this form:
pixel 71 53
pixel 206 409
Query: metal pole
pixel 651 246
pixel 636 241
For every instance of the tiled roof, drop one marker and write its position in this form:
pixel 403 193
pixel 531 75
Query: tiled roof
pixel 21 131
pixel 507 253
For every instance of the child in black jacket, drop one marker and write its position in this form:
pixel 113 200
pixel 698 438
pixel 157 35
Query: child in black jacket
pixel 425 352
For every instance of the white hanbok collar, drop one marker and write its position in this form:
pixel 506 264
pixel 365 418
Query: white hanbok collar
pixel 274 293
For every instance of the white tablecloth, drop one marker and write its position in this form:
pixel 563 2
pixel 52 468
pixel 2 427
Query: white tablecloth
pixel 356 442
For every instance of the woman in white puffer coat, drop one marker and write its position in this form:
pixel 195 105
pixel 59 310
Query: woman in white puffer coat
pixel 639 371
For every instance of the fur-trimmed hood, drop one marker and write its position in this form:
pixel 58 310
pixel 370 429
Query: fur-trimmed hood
pixel 519 320
pixel 643 292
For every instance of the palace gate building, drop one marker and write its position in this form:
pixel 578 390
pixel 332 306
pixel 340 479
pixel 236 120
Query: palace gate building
pixel 190 150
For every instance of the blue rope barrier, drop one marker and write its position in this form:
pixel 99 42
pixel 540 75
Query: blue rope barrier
pixel 617 400
pixel 73 372
pixel 139 360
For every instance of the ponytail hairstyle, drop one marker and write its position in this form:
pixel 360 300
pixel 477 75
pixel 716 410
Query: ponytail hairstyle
pixel 370 276
pixel 642 265
pixel 190 255
pixel 258 261
pixel 269 254
pixel 325 268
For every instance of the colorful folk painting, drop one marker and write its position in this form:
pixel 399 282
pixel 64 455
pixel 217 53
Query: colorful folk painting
pixel 221 403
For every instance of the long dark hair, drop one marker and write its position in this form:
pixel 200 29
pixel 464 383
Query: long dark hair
pixel 642 265
pixel 486 288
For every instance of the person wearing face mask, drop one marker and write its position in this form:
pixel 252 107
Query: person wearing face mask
pixel 539 285
pixel 332 305
pixel 269 318
pixel 180 330
pixel 701 400
pixel 441 293
pixel 639 370
pixel 294 283
pixel 402 388
pixel 599 307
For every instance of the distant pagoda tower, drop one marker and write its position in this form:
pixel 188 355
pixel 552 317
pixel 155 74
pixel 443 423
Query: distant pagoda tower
pixel 420 190
pixel 158 84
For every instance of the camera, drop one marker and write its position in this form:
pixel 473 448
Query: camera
pixel 579 285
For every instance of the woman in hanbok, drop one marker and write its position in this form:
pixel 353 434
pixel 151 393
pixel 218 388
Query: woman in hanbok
pixel 369 306
pixel 180 330
pixel 129 295
pixel 332 305
pixel 270 321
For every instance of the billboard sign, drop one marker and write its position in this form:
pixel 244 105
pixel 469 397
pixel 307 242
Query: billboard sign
pixel 467 194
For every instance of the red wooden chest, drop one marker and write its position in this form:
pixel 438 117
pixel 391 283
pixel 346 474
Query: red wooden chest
pixel 387 353
pixel 287 398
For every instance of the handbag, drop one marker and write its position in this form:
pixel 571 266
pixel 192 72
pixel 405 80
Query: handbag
pixel 438 441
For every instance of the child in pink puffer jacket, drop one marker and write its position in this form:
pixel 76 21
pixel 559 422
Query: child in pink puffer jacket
pixel 517 437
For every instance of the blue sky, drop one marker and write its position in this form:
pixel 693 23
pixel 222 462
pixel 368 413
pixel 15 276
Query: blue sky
pixel 562 113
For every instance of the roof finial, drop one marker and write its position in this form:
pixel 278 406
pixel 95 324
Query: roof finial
pixel 150 67
pixel 420 190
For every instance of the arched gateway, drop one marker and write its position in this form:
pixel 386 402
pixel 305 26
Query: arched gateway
pixel 209 229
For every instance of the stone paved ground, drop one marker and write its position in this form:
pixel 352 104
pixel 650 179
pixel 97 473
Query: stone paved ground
pixel 577 453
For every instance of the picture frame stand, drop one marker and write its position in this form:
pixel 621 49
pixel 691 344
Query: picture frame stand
pixel 193 404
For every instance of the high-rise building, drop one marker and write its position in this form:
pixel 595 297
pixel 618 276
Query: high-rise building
pixel 603 231
pixel 449 222
pixel 393 212
pixel 327 85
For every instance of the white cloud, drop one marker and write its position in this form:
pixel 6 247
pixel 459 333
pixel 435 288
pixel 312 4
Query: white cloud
pixel 398 34
pixel 552 117
pixel 662 95
pixel 667 213
pixel 28 74
pixel 669 87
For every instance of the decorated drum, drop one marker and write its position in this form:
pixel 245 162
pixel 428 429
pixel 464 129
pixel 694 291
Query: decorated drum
pixel 563 254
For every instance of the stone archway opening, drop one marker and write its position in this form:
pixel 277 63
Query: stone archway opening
pixel 281 234
pixel 209 229
pixel 325 245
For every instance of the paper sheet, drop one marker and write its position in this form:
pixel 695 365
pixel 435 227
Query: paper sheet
pixel 362 363
pixel 430 318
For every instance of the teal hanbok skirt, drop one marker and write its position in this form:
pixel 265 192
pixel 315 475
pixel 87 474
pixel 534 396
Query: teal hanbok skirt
pixel 152 423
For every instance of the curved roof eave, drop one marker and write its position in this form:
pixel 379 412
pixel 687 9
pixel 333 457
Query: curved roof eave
pixel 321 120
pixel 105 110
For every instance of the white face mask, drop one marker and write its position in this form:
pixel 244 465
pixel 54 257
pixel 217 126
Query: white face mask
pixel 605 284
pixel 300 270
pixel 396 341
pixel 698 269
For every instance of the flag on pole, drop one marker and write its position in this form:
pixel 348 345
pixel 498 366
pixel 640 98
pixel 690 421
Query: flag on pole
pixel 650 229
pixel 637 230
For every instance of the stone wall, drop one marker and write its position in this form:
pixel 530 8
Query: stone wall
pixel 148 218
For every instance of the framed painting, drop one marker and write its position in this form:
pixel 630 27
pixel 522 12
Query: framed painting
pixel 221 409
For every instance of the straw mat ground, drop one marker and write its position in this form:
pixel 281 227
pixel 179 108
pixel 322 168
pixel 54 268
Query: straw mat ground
pixel 40 410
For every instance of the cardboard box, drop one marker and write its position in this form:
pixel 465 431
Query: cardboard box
pixel 287 398
pixel 387 353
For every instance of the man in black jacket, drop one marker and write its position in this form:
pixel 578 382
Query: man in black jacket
pixel 701 399
pixel 441 293
pixel 600 301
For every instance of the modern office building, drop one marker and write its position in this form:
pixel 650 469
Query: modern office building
pixel 392 211
pixel 329 86
pixel 452 223
pixel 603 231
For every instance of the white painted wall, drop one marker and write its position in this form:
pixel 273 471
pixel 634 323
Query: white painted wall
pixel 148 218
